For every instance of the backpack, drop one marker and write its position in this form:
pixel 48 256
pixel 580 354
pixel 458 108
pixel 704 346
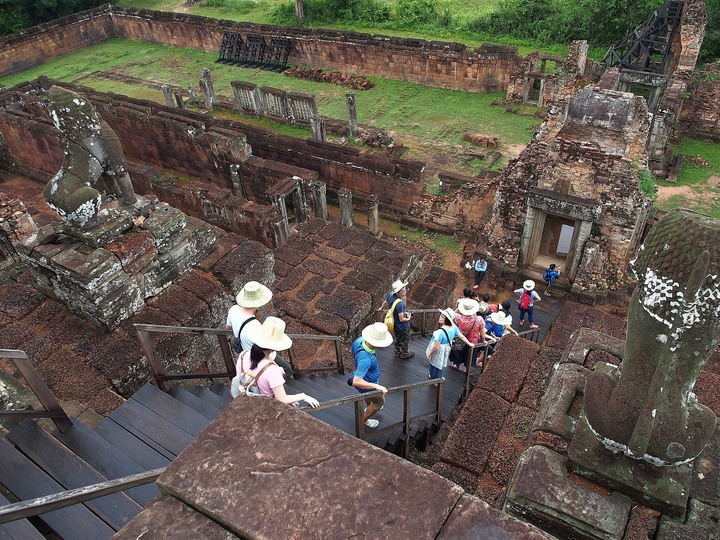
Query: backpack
pixel 389 316
pixel 245 384
pixel 546 275
pixel 237 342
pixel 525 298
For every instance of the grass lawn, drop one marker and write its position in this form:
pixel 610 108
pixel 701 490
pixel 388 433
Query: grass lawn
pixel 425 120
pixel 697 186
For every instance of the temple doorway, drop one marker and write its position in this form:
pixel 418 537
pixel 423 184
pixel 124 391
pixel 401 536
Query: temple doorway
pixel 555 242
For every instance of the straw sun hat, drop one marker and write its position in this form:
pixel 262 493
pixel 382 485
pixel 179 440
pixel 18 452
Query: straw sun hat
pixel 377 335
pixel 448 313
pixel 529 285
pixel 398 285
pixel 499 318
pixel 468 306
pixel 253 295
pixel 270 335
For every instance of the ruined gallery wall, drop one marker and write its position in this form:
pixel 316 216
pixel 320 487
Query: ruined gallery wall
pixel 34 46
pixel 700 117
pixel 440 64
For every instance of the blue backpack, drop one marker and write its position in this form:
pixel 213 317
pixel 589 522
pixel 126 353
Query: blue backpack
pixel 547 275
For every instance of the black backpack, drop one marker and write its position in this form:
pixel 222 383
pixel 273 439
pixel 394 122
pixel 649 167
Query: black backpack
pixel 237 342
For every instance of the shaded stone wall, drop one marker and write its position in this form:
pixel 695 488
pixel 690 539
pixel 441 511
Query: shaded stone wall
pixel 590 147
pixel 33 46
pixel 665 133
pixel 441 64
pixel 700 116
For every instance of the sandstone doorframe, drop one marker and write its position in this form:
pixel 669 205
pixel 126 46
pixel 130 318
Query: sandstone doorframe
pixel 289 187
pixel 544 202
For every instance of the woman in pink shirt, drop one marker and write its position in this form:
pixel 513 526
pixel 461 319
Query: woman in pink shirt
pixel 259 361
pixel 472 327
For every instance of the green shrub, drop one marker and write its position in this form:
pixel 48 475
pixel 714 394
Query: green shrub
pixel 410 13
pixel 236 6
pixel 648 184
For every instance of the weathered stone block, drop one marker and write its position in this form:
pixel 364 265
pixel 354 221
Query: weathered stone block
pixel 164 224
pixel 134 250
pixel 510 364
pixel 298 451
pixel 705 485
pixel 585 340
pixel 87 267
pixel 474 518
pixel 566 382
pixel 540 490
pixel 114 221
pixel 701 523
pixel 663 488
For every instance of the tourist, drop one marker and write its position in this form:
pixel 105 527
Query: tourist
pixel 401 330
pixel 549 276
pixel 467 293
pixel 471 326
pixel 480 269
pixel 526 302
pixel 496 328
pixel 366 376
pixel 505 308
pixel 439 348
pixel 259 361
pixel 486 299
pixel 242 317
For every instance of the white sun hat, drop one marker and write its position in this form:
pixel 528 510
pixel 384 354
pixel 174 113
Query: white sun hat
pixel 529 285
pixel 468 306
pixel 270 335
pixel 253 295
pixel 377 335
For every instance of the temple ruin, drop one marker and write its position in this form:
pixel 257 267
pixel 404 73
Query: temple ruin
pixel 222 202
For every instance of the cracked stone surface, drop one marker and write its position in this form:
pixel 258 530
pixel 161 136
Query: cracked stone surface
pixel 303 468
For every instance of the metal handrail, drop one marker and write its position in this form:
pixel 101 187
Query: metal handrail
pixel 63 499
pixel 51 405
pixel 162 377
pixel 406 389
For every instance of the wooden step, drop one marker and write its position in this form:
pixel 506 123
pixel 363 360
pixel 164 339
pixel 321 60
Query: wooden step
pixel 109 461
pixel 206 395
pixel 171 409
pixel 25 480
pixel 69 470
pixel 208 410
pixel 222 390
pixel 135 449
pixel 151 428
pixel 20 529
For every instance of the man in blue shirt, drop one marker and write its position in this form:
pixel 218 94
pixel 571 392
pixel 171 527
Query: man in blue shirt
pixel 396 302
pixel 366 377
pixel 480 269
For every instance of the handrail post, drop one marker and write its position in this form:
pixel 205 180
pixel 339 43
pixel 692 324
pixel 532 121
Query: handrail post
pixel 45 396
pixel 291 360
pixel 406 422
pixel 153 362
pixel 227 354
pixel 438 403
pixel 359 424
pixel 338 357
pixel 468 364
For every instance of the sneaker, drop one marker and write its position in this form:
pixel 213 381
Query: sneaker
pixel 547 294
pixel 462 368
pixel 534 326
pixel 408 355
pixel 372 423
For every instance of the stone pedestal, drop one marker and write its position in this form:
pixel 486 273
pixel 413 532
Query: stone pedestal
pixel 105 273
pixel 663 488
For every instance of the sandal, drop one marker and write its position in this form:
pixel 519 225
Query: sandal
pixel 372 423
pixel 534 326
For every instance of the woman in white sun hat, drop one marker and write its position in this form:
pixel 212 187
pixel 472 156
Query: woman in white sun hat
pixel 472 326
pixel 438 350
pixel 268 338
pixel 528 297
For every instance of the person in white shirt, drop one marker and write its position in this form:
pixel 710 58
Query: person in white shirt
pixel 242 318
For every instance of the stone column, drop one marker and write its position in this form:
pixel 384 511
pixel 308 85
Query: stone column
pixel 167 93
pixel 207 89
pixel 299 202
pixel 279 228
pixel 236 178
pixel 191 93
pixel 352 114
pixel 179 100
pixel 373 215
pixel 318 128
pixel 345 198
pixel 318 189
